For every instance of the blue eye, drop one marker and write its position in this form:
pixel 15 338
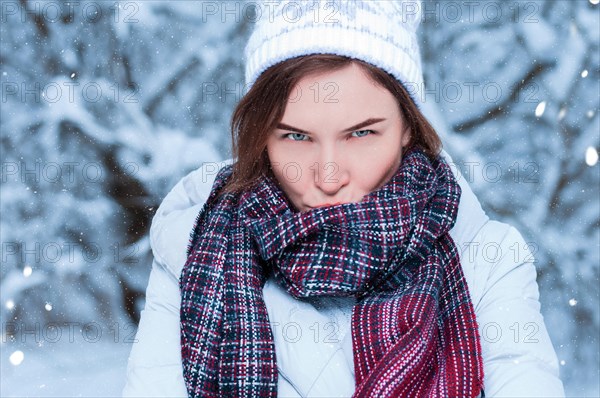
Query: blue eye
pixel 295 134
pixel 362 131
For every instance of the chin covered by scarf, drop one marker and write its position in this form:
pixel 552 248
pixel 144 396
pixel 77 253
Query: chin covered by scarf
pixel 413 327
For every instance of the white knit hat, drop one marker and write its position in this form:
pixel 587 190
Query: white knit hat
pixel 380 32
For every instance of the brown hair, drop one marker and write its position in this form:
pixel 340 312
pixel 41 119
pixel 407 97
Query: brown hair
pixel 263 106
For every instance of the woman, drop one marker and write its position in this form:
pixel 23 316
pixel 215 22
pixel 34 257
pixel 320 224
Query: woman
pixel 339 254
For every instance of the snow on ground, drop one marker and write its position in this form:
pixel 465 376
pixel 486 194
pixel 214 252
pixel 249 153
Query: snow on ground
pixel 81 368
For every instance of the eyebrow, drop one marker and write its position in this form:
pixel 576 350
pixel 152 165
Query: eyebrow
pixel 362 124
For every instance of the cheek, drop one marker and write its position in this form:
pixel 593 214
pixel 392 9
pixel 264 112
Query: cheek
pixel 377 166
pixel 277 157
pixel 285 153
pixel 291 174
pixel 300 176
pixel 290 162
pixel 367 178
pixel 381 155
pixel 293 185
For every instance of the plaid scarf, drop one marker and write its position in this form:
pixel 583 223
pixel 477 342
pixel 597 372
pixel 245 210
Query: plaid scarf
pixel 413 327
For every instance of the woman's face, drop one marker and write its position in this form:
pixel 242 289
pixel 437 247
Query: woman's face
pixel 340 138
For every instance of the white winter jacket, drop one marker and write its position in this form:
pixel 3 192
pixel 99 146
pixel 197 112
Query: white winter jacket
pixel 519 359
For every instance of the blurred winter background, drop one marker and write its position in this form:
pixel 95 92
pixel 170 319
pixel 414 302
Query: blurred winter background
pixel 107 104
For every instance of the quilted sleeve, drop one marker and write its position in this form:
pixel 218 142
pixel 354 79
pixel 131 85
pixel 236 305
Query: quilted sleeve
pixel 154 368
pixel 519 358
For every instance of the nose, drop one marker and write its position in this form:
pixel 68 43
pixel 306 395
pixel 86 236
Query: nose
pixel 331 174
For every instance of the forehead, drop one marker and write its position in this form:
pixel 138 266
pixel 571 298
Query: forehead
pixel 342 93
pixel 348 78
